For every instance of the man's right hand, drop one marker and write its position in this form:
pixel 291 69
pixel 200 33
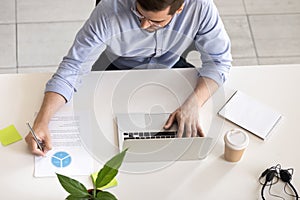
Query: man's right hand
pixel 42 133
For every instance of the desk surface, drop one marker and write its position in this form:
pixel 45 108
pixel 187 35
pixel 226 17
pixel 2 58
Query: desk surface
pixel 212 178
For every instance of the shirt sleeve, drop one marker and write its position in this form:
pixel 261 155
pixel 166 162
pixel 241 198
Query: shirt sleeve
pixel 214 45
pixel 86 48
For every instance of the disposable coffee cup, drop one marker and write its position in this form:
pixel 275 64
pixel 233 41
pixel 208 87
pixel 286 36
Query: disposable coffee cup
pixel 236 141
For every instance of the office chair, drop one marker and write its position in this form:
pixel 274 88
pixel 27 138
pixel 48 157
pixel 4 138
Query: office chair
pixel 97 1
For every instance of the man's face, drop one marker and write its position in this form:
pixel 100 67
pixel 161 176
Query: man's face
pixel 151 21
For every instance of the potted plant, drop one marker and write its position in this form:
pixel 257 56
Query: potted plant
pixel 77 191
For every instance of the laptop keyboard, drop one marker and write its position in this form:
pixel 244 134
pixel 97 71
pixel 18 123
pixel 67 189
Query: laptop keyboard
pixel 150 135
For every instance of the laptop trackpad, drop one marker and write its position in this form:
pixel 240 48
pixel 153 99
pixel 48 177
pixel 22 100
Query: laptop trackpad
pixel 167 149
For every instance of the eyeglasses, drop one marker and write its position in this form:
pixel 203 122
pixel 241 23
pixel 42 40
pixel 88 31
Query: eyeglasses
pixel 154 24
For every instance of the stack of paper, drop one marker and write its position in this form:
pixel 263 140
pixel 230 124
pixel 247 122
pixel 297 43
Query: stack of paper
pixel 250 114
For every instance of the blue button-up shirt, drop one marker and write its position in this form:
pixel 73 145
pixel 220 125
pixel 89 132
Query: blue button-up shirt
pixel 113 27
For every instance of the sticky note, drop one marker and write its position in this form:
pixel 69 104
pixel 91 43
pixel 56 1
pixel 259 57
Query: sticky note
pixel 9 135
pixel 112 183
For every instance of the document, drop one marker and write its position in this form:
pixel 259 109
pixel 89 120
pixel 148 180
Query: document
pixel 68 156
pixel 250 114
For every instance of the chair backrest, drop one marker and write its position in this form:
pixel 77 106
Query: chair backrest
pixel 97 1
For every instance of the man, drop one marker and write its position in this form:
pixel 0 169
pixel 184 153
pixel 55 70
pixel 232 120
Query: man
pixel 143 34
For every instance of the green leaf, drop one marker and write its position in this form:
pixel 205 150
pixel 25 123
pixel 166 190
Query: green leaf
pixel 110 169
pixel 105 175
pixel 112 183
pixel 71 197
pixel 116 161
pixel 105 196
pixel 74 187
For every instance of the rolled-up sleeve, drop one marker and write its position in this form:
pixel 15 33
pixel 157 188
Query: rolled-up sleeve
pixel 214 45
pixel 87 47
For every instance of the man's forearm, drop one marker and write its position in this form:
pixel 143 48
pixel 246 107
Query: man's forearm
pixel 204 89
pixel 52 102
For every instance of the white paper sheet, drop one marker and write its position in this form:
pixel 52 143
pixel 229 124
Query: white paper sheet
pixel 67 156
pixel 250 114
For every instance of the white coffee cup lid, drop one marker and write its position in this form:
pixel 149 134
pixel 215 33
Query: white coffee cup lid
pixel 236 139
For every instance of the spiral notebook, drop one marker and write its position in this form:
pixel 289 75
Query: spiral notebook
pixel 250 114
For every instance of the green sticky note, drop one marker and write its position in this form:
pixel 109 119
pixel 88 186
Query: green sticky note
pixel 112 183
pixel 9 135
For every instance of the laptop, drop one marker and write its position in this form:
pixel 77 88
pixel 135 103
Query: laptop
pixel 147 141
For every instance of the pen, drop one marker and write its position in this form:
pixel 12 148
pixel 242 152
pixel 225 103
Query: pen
pixel 38 142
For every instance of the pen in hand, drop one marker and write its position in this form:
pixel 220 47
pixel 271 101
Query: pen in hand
pixel 38 142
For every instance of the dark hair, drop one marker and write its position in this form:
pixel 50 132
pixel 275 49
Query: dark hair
pixel 159 5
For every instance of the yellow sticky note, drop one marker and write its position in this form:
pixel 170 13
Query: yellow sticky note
pixel 112 183
pixel 9 135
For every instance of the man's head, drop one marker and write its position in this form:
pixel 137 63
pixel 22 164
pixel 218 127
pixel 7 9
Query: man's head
pixel 159 5
pixel 155 14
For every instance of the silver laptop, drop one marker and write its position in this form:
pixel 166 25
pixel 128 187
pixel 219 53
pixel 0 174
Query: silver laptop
pixel 146 140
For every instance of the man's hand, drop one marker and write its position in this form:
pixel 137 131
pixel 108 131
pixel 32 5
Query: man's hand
pixel 187 117
pixel 42 133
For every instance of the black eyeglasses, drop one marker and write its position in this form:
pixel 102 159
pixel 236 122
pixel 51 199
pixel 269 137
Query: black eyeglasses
pixel 154 24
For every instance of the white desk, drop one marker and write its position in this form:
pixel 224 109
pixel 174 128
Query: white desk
pixel 211 179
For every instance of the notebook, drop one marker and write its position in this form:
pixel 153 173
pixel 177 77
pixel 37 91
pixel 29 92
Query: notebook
pixel 146 140
pixel 250 114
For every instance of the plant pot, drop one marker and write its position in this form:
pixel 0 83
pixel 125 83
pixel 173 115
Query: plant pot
pixel 90 191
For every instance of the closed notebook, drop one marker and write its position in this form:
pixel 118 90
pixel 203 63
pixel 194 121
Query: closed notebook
pixel 250 114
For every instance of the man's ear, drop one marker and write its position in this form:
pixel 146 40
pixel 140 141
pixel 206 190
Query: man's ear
pixel 180 9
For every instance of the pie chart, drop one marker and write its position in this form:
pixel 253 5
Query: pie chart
pixel 61 159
